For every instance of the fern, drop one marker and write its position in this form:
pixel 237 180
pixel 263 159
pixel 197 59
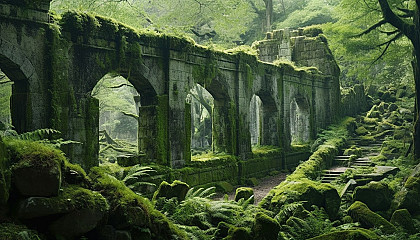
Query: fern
pixel 39 134
pixel 201 193
pixel 135 178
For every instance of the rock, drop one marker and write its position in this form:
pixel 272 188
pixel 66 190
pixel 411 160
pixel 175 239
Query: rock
pixel 388 97
pixel 252 182
pixel 37 176
pixel 238 233
pixel 402 218
pixel 361 131
pixel 76 223
pixel 224 187
pixel 10 231
pixel 401 93
pixel 177 189
pixel 245 193
pixel 359 234
pixel 126 216
pixel 265 227
pixel 106 232
pixel 393 107
pixel 122 235
pixel 222 230
pixel 409 195
pixel 376 195
pixel 4 187
pixel 72 198
pixel 360 212
pixel 313 193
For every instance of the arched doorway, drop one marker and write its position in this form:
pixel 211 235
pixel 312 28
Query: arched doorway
pixel 299 120
pixel 119 104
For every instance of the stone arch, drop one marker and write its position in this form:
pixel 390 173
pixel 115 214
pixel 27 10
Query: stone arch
pixel 300 120
pixel 269 120
pixel 26 89
pixel 201 107
pixel 223 113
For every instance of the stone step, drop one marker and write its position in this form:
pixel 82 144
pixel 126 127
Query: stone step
pixel 342 157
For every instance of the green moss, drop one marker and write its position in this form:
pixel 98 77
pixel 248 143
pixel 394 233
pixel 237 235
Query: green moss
pixel 163 154
pixel 359 234
pixel 361 213
pixel 129 208
pixel 238 233
pixel 26 153
pixel 224 187
pixel 187 117
pixel 312 31
pixel 11 231
pixel 176 189
pixel 376 195
pixel 403 219
pixel 244 192
pixel 313 193
pixel 265 227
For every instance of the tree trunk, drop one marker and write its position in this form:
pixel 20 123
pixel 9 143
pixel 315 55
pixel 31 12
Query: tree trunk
pixel 416 70
pixel 268 14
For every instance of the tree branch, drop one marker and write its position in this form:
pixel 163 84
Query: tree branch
pixel 387 43
pixel 390 33
pixel 394 20
pixel 371 28
pixel 408 12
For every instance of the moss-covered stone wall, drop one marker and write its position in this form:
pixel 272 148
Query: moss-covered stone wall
pixel 75 51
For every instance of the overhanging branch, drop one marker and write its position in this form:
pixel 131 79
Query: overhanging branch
pixel 371 28
pixel 394 20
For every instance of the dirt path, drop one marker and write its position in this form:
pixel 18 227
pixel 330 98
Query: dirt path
pixel 261 190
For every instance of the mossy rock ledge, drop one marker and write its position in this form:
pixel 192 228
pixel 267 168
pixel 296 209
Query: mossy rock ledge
pixel 409 196
pixel 376 195
pixel 359 234
pixel 265 227
pixel 360 212
pixel 245 193
pixel 402 218
pixel 176 189
pixel 313 193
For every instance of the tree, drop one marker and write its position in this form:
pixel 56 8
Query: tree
pixel 268 14
pixel 403 16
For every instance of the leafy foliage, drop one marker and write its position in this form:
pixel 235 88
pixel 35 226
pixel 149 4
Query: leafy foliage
pixel 135 178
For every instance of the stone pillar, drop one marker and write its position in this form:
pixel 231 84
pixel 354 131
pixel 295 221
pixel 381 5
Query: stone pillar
pixel 223 120
pixel 269 133
pixel 20 107
pixel 153 131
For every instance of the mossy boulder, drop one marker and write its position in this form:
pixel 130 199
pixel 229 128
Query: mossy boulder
pixel 376 195
pixel 362 131
pixel 313 193
pixel 222 230
pixel 10 231
pixel 238 233
pixel 265 227
pixel 402 218
pixel 361 213
pixel 37 168
pixel 245 193
pixel 128 210
pixel 359 234
pixel 408 197
pixel 177 189
pixel 353 150
pixel 224 187
pixel 71 199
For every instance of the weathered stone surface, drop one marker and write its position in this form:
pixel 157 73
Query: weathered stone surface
pixel 359 234
pixel 245 193
pixel 376 195
pixel 265 227
pixel 177 189
pixel 402 218
pixel 38 181
pixel 12 231
pixel 360 212
pixel 312 193
pixel 76 223
pixel 409 195
pixel 72 199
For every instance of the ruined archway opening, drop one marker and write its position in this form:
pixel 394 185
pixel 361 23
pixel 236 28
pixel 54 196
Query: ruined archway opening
pixel 14 95
pixel 255 120
pixel 5 95
pixel 119 104
pixel 201 103
pixel 299 121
